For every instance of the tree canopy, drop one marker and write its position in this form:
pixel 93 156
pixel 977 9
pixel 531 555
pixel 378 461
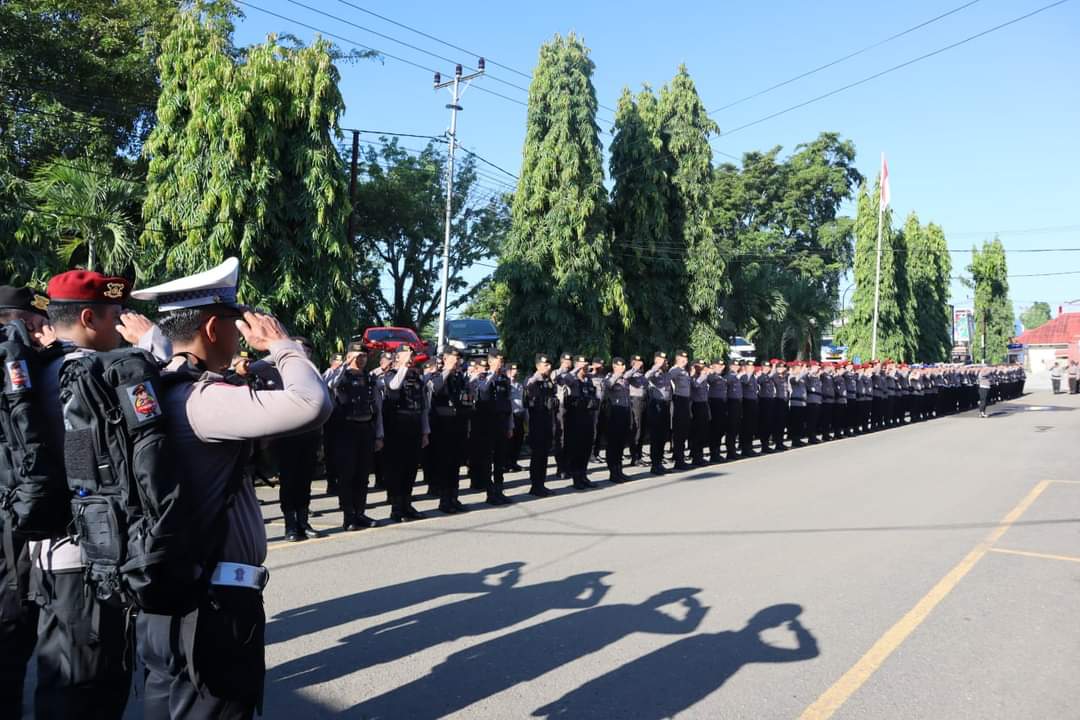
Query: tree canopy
pixel 1036 315
pixel 994 321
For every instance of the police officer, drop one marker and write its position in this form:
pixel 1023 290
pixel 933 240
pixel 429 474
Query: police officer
pixel 780 404
pixel 828 403
pixel 210 663
pixel 734 410
pixel 517 402
pixel 297 455
pixel 717 409
pixel 542 407
pixel 766 402
pixel 493 427
pixel 699 412
pixel 635 377
pixel 386 360
pixel 406 421
pixel 566 361
pixel 452 407
pixel 681 419
pixel 617 399
pixel 356 429
pixel 581 401
pixel 596 376
pixel 659 411
pixel 748 378
pixel 797 404
pixel 813 402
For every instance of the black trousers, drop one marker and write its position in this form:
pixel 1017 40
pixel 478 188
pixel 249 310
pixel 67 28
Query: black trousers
pixel 699 430
pixel 558 438
pixel 984 393
pixel 796 422
pixel 659 427
pixel 825 421
pixel 779 421
pixel 208 664
pixel 600 420
pixel 81 673
pixel 354 459
pixel 877 408
pixel 618 432
pixel 18 627
pixel 717 427
pixel 734 425
pixel 748 427
pixel 297 456
pixel 541 432
pixel 813 415
pixel 401 453
pixel 481 450
pixel 681 423
pixel 449 441
pixel 513 451
pixel 764 423
pixel 637 427
pixel 500 448
pixel 579 440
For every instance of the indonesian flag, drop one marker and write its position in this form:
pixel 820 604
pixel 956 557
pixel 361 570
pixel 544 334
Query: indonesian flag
pixel 885 196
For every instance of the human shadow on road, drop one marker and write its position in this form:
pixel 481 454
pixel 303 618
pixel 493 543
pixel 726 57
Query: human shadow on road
pixel 502 607
pixel 312 618
pixel 679 675
pixel 470 675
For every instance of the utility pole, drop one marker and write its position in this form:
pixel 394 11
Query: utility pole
pixel 457 86
pixel 352 185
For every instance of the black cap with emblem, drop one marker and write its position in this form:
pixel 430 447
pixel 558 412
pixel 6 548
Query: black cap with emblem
pixel 636 358
pixel 23 298
pixel 542 358
pixel 660 354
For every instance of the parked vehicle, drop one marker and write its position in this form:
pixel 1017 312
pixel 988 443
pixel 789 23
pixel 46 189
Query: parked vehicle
pixel 474 337
pixel 378 339
pixel 831 352
pixel 742 349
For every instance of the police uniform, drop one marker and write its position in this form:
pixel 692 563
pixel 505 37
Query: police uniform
pixel 559 441
pixel 210 662
pixel 780 405
pixel 813 402
pixel 659 412
pixel 828 404
pixel 617 400
pixel 734 411
pixel 796 382
pixel 406 422
pixel 766 402
pixel 748 430
pixel 542 407
pixel 355 428
pixel 681 417
pixel 517 404
pixel 493 423
pixel 453 405
pixel 635 378
pixel 699 414
pixel 581 401
pixel 297 454
pixel 717 410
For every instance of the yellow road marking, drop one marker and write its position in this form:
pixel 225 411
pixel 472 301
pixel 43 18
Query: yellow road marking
pixel 833 698
pixel 1067 482
pixel 1028 553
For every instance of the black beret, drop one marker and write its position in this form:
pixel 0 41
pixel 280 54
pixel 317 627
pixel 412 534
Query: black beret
pixel 24 298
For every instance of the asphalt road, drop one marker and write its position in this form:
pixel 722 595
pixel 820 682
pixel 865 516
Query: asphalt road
pixel 929 571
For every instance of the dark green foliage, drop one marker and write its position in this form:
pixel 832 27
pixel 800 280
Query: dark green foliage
pixel 1036 315
pixel 557 262
pixel 993 309
pixel 929 267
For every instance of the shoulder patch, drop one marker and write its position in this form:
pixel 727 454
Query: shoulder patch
pixel 18 376
pixel 144 401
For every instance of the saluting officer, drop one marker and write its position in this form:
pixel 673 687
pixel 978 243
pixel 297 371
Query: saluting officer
pixel 566 361
pixel 210 663
pixel 635 377
pixel 699 412
pixel 542 407
pixel 617 398
pixel 452 406
pixel 813 402
pixel 749 410
pixel 596 375
pixel 780 404
pixel 681 419
pixel 766 401
pixel 493 425
pixel 406 407
pixel 717 409
pixel 828 402
pixel 581 400
pixel 797 404
pixel 517 403
pixel 734 410
pixel 354 433
pixel 659 411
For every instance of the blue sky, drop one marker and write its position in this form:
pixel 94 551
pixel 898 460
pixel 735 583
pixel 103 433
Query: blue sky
pixel 980 138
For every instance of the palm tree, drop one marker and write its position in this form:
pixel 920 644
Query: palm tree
pixel 89 210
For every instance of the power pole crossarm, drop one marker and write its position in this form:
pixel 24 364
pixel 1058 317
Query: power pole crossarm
pixel 457 87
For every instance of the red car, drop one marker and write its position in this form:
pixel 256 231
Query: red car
pixel 378 339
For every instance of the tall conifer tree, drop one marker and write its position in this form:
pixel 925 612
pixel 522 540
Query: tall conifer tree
pixel 557 263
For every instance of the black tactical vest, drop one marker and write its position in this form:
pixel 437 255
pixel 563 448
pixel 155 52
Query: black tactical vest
pixel 541 395
pixel 359 396
pixel 410 396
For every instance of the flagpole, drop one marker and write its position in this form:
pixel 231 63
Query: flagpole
pixel 877 274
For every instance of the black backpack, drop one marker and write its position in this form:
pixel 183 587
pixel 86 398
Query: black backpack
pixel 33 493
pixel 128 511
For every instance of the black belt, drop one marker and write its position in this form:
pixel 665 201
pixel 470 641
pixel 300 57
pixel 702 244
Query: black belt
pixel 814 394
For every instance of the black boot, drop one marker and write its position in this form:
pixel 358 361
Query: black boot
pixel 305 526
pixel 293 532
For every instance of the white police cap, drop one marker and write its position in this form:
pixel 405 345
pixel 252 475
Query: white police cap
pixel 216 286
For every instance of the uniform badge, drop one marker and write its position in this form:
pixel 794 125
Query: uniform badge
pixel 113 290
pixel 238 575
pixel 18 376
pixel 40 302
pixel 144 401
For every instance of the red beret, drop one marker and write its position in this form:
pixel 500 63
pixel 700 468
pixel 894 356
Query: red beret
pixel 88 287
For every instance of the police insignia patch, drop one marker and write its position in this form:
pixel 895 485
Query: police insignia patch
pixel 114 290
pixel 18 376
pixel 144 401
pixel 40 302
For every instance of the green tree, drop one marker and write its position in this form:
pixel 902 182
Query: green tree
pixel 89 212
pixel 640 204
pixel 994 322
pixel 78 77
pixel 857 333
pixel 685 126
pixel 929 270
pixel 905 295
pixel 400 217
pixel 1036 315
pixel 243 162
pixel 557 262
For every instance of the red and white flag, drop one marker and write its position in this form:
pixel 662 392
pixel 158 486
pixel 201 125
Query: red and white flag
pixel 885 196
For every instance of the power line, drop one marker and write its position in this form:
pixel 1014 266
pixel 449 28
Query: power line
pixel 893 68
pixel 486 161
pixel 839 60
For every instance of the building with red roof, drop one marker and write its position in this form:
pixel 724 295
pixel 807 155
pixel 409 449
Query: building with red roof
pixel 1057 339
